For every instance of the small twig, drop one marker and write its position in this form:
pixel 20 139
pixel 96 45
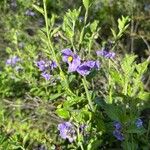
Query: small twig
pixel 145 41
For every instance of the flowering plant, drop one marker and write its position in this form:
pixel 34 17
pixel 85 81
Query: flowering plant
pixel 74 90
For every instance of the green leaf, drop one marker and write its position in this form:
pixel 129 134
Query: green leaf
pixel 93 25
pixel 25 138
pixel 116 76
pixel 39 9
pixel 142 67
pixel 114 112
pixel 144 95
pixel 127 64
pixel 71 78
pixel 8 50
pixel 130 146
pixel 136 130
pixel 72 101
pixel 55 96
pixel 81 116
pixel 63 113
pixel 55 31
pixel 100 102
pixel 94 144
pixel 122 23
pixel 86 4
pixel 122 26
pixel 114 33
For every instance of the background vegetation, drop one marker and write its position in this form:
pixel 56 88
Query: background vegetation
pixel 32 107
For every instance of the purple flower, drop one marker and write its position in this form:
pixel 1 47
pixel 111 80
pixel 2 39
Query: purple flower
pixel 67 131
pixel 12 61
pixel 53 65
pixel 86 67
pixel 41 65
pixel 74 63
pixel 139 123
pixel 118 135
pixel 44 65
pixel 117 132
pixel 117 125
pixel 105 54
pixel 46 76
pixel 72 59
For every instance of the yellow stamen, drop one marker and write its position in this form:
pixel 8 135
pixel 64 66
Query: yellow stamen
pixel 70 58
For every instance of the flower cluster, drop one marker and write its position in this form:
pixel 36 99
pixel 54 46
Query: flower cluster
pixel 117 132
pixel 67 131
pixel 45 67
pixel 105 53
pixel 12 61
pixel 74 62
pixel 139 123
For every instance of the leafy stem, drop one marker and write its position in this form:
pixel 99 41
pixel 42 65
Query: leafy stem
pixel 50 46
pixel 109 82
pixel 87 94
pixel 83 29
